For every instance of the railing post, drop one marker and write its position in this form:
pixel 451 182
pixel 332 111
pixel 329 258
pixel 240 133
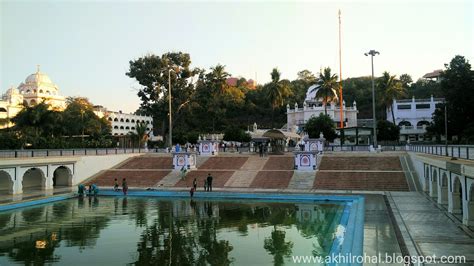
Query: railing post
pixel 467 152
pixel 32 153
pixel 60 152
pixel 459 151
pixel 106 151
pixel 96 151
pixel 73 152
pixel 16 154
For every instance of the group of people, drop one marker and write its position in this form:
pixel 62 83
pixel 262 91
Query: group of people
pixel 92 191
pixel 262 149
pixel 207 184
pixel 124 186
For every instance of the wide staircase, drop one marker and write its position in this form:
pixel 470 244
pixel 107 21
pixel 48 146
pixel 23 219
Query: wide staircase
pixel 374 173
pixel 143 171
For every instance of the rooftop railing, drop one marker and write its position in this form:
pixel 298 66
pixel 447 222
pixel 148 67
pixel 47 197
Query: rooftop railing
pixel 73 152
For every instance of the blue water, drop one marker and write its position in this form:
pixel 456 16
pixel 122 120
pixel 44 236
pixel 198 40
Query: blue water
pixel 152 231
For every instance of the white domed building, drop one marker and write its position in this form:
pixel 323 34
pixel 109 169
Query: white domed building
pixel 37 88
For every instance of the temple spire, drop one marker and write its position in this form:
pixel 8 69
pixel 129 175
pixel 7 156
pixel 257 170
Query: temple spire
pixel 37 68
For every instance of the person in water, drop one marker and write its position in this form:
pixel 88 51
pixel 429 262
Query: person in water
pixel 124 186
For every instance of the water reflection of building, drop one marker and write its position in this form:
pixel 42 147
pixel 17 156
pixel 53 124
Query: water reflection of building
pixel 199 209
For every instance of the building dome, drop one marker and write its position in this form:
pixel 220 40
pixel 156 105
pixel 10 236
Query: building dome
pixel 312 92
pixel 38 77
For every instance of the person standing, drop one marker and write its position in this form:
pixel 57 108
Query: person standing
pixel 124 186
pixel 195 183
pixel 209 182
pixel 116 185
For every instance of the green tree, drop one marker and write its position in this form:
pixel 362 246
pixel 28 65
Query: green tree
pixel 390 89
pixel 323 123
pixel 327 90
pixel 278 247
pixel 387 131
pixel 154 73
pixel 276 91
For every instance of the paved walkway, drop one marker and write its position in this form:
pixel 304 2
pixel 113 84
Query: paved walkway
pixel 428 228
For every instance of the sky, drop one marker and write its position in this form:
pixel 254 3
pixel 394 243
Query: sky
pixel 85 46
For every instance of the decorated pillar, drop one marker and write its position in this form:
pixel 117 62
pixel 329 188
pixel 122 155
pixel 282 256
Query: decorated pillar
pixel 184 160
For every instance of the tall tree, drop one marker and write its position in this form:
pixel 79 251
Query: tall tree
pixel 457 86
pixel 276 91
pixel 390 89
pixel 327 90
pixel 153 73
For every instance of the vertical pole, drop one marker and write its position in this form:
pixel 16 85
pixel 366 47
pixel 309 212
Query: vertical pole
pixel 446 127
pixel 169 107
pixel 341 115
pixel 373 102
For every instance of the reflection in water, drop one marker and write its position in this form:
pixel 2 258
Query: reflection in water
pixel 158 232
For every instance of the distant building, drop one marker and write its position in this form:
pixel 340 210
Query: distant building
pixel 123 123
pixel 297 117
pixel 232 81
pixel 435 75
pixel 413 116
pixel 36 88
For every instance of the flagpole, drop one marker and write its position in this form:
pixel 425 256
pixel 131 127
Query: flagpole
pixel 341 116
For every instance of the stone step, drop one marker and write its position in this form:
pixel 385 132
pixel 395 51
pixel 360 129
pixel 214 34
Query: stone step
pixel 302 180
pixel 170 180
pixel 254 163
pixel 241 178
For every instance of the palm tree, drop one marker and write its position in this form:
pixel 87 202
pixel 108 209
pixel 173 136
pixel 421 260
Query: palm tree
pixel 390 89
pixel 276 91
pixel 327 87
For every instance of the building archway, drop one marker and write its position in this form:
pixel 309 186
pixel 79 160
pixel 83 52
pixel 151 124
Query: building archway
pixel 6 183
pixel 62 177
pixel 434 184
pixel 470 206
pixel 443 194
pixel 33 179
pixel 457 196
pixel 427 179
pixel 404 123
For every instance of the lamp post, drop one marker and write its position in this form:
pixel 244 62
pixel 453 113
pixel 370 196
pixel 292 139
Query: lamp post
pixel 372 53
pixel 446 129
pixel 170 137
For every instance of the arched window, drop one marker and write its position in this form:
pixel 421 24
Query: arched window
pixel 147 122
pixel 127 128
pixel 48 92
pixel 121 127
pixel 41 91
pixel 121 119
pixel 115 134
pixel 404 123
pixel 116 119
pixel 28 91
pixel 128 121
pixel 110 118
pixel 133 120
pixel 32 102
pixel 422 123
pixel 132 128
pixel 3 110
pixel 115 127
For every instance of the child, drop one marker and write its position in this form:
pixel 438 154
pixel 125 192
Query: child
pixel 205 184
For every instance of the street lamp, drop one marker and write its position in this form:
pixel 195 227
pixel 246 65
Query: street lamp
pixel 446 128
pixel 170 137
pixel 372 53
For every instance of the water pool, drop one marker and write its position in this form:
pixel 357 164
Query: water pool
pixel 157 231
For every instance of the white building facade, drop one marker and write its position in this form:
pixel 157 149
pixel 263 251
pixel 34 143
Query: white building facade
pixel 36 88
pixel 312 107
pixel 413 116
